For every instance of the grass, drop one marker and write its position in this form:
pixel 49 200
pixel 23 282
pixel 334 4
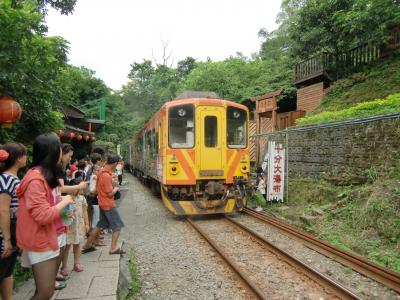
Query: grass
pixel 364 218
pixel 135 287
pixel 376 81
pixel 391 104
pixel 21 274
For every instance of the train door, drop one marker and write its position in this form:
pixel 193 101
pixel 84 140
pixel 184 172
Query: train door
pixel 211 154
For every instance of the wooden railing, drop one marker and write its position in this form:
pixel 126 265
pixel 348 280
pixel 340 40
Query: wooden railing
pixel 336 65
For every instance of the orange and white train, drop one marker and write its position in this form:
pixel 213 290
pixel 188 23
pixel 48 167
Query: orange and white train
pixel 195 152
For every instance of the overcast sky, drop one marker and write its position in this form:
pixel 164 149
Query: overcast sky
pixel 107 36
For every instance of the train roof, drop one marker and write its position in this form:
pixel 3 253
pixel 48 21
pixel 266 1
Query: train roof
pixel 203 101
pixel 206 101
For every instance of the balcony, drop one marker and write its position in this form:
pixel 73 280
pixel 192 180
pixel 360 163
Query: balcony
pixel 332 66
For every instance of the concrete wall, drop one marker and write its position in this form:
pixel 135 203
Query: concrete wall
pixel 349 147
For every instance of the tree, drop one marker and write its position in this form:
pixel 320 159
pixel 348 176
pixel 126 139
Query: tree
pixel 30 65
pixel 81 86
pixel 335 26
pixel 64 6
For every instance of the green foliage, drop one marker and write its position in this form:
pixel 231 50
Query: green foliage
pixel 109 145
pixel 135 287
pixel 364 219
pixel 81 87
pixel 391 104
pixel 65 7
pixel 30 65
pixel 376 81
pixel 238 78
pixel 21 274
pixel 339 25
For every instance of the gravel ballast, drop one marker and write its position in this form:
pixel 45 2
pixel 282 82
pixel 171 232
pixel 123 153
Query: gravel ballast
pixel 173 261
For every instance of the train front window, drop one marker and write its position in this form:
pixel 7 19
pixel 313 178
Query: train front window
pixel 236 127
pixel 181 126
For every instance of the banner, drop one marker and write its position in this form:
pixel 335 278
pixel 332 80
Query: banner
pixel 276 171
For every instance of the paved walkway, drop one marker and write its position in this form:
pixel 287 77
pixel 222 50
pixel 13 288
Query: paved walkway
pixel 99 280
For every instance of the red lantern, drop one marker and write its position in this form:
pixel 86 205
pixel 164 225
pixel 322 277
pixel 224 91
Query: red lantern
pixel 70 135
pixel 10 111
pixel 78 137
pixel 93 138
pixel 86 138
pixel 60 133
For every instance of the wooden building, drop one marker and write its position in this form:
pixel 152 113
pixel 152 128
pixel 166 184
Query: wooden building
pixel 313 76
pixel 268 118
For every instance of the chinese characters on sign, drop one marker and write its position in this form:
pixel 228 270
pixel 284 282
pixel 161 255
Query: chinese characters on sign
pixel 276 171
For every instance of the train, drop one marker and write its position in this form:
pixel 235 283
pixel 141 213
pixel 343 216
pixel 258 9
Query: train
pixel 194 152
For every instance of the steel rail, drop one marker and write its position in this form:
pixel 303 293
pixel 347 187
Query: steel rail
pixel 385 276
pixel 231 263
pixel 336 288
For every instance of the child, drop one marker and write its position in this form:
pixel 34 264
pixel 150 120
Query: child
pixel 76 231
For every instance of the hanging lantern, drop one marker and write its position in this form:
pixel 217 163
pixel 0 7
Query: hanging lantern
pixel 70 135
pixel 78 137
pixel 10 111
pixel 60 133
pixel 86 138
pixel 93 138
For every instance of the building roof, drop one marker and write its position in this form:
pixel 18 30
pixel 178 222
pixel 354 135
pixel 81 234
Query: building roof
pixel 268 95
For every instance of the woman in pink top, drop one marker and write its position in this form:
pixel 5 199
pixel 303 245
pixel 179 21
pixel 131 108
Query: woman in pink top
pixel 36 232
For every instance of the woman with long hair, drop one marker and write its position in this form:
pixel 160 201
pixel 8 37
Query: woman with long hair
pixel 12 158
pixel 38 211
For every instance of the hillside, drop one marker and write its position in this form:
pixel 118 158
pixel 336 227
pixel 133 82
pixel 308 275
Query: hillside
pixel 362 218
pixel 375 81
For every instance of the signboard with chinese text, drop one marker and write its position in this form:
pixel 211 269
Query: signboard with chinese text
pixel 276 171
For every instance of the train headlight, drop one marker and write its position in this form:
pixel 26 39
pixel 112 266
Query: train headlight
pixel 244 169
pixel 174 169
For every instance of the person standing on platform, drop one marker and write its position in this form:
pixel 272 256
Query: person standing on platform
pixel 12 158
pixel 109 215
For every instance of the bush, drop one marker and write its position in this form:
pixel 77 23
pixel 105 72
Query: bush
pixel 391 104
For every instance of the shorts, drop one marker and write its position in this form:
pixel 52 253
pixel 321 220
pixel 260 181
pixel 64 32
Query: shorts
pixel 110 220
pixel 7 265
pixel 29 258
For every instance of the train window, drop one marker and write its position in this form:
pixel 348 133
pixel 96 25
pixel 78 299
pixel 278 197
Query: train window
pixel 236 127
pixel 210 131
pixel 181 126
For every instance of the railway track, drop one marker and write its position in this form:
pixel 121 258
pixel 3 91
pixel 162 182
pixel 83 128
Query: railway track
pixel 360 264
pixel 256 286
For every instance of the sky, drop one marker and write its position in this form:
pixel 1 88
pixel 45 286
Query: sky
pixel 108 36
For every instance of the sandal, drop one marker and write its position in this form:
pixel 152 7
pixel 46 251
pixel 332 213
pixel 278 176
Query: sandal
pixel 78 267
pixel 118 251
pixel 60 285
pixel 87 250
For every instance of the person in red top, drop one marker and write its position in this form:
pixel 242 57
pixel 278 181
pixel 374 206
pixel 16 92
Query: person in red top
pixel 37 213
pixel 109 216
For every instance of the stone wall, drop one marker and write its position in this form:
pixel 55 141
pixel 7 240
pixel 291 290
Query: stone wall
pixel 351 147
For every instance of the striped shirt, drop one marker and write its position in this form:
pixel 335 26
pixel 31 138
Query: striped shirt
pixel 8 185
